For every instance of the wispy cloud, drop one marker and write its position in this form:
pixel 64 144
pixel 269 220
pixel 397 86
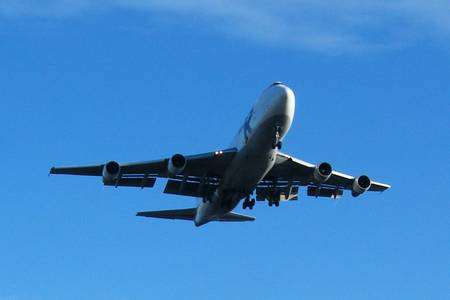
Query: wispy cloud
pixel 329 25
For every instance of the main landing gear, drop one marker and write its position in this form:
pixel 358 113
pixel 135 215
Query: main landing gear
pixel 276 203
pixel 248 203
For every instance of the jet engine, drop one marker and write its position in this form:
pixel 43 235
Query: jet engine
pixel 322 172
pixel 176 164
pixel 111 171
pixel 360 185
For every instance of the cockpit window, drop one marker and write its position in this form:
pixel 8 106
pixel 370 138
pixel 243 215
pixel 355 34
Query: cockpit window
pixel 276 83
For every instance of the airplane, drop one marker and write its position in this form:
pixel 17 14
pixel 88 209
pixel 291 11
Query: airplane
pixel 252 169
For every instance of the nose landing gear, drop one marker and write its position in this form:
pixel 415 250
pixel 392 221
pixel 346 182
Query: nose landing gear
pixel 277 143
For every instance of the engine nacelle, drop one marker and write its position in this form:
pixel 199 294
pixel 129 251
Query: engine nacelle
pixel 360 185
pixel 111 171
pixel 322 172
pixel 176 165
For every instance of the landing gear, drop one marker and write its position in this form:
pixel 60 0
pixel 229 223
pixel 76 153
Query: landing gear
pixel 276 203
pixel 277 143
pixel 248 203
pixel 206 200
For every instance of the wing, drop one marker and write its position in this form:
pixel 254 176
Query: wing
pixel 293 171
pixel 200 170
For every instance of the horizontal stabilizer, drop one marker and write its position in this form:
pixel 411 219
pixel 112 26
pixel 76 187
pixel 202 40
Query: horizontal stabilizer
pixel 189 214
pixel 234 217
pixel 179 214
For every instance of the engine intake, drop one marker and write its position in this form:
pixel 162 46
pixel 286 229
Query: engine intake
pixel 111 171
pixel 360 185
pixel 322 172
pixel 176 165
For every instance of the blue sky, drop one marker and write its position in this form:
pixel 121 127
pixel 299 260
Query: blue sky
pixel 89 81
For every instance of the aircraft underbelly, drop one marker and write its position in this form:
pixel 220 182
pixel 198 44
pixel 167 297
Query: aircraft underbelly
pixel 251 164
pixel 251 168
pixel 247 169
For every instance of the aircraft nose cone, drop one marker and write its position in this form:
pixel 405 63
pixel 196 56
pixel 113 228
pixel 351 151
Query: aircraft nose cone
pixel 285 99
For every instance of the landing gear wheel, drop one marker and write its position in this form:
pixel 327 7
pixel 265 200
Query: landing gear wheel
pixel 270 203
pixel 277 145
pixel 252 203
pixel 247 203
pixel 277 203
pixel 244 205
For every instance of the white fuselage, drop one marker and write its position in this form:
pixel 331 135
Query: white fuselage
pixel 272 113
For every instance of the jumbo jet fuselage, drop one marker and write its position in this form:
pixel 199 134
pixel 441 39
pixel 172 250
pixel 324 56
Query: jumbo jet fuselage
pixel 222 178
pixel 257 142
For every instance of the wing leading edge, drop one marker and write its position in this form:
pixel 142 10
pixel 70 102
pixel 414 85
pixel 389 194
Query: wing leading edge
pixel 208 167
pixel 299 172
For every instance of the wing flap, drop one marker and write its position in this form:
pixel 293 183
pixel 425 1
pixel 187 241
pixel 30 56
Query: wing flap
pixel 144 182
pixel 187 188
pixel 278 193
